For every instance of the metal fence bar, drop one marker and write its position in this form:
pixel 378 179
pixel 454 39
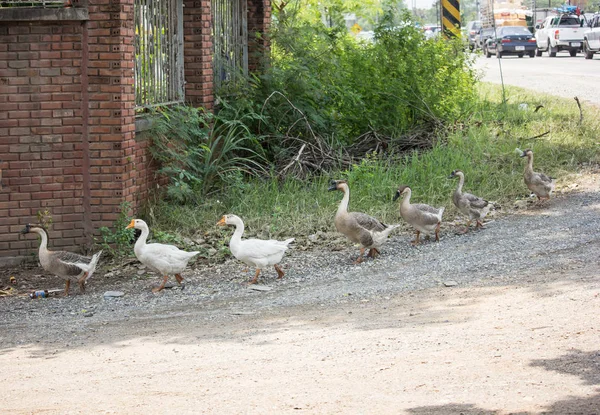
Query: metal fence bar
pixel 230 34
pixel 159 52
pixel 38 4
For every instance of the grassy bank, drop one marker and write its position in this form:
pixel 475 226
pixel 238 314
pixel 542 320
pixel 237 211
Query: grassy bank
pixel 482 145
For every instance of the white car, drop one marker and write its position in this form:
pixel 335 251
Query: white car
pixel 591 37
pixel 558 33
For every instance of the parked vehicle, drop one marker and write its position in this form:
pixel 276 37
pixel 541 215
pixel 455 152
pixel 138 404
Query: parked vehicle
pixel 482 37
pixel 562 32
pixel 472 31
pixel 591 37
pixel 511 40
pixel 431 31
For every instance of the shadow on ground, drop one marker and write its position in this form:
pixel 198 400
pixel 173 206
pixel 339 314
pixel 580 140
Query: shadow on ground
pixel 585 365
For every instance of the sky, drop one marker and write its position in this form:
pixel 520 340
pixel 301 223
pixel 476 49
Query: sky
pixel 420 4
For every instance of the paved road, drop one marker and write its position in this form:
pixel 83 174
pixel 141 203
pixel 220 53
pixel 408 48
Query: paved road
pixel 563 76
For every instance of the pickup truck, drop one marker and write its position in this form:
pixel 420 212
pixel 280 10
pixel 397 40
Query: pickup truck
pixel 591 37
pixel 558 33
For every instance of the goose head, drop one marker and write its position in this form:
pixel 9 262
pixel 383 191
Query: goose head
pixel 338 185
pixel 137 224
pixel 229 220
pixel 402 190
pixel 526 153
pixel 31 227
pixel 456 173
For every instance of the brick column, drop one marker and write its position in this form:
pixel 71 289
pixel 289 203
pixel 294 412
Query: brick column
pixel 198 52
pixel 259 21
pixel 111 123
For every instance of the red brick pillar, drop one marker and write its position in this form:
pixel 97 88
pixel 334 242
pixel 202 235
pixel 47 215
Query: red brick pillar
pixel 198 53
pixel 259 21
pixel 111 102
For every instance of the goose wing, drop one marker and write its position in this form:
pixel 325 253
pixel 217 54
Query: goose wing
pixel 429 215
pixel 475 201
pixel 68 264
pixel 263 248
pixel 368 222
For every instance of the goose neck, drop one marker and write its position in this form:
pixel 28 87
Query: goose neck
pixel 406 199
pixel 343 207
pixel 461 182
pixel 143 237
pixel 44 239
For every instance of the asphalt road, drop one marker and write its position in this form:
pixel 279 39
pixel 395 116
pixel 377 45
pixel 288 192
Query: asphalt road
pixel 563 75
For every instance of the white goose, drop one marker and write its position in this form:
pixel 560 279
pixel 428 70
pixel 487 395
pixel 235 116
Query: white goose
pixel 64 264
pixel 164 259
pixel 255 252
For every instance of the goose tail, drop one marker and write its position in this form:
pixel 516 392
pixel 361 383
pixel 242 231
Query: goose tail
pixel 93 263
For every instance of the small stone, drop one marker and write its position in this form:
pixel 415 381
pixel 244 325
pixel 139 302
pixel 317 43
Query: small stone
pixel 112 294
pixel 141 272
pixel 212 251
pixel 259 287
pixel 450 283
pixel 313 238
pixel 88 314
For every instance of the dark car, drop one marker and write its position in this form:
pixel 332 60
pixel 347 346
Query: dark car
pixel 472 31
pixel 482 36
pixel 511 40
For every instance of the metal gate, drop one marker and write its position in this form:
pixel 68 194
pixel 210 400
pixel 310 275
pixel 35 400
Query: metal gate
pixel 230 34
pixel 159 75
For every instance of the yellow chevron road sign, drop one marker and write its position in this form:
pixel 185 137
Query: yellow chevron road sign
pixel 451 18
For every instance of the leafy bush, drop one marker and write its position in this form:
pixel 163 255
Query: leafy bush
pixel 345 88
pixel 117 242
pixel 199 151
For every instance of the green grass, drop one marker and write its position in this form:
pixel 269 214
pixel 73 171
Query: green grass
pixel 482 145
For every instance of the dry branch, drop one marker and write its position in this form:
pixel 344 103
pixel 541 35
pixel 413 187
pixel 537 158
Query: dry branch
pixel 580 111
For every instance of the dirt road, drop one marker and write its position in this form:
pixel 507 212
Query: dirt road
pixel 519 334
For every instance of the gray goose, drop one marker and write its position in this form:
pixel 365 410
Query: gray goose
pixel 540 184
pixel 474 207
pixel 424 218
pixel 360 228
pixel 66 265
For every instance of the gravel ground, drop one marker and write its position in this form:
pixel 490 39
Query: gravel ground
pixel 521 247
pixel 517 334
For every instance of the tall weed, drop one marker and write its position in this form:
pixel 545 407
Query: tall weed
pixel 199 151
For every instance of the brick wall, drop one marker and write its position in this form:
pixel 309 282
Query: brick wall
pixel 40 132
pixel 67 122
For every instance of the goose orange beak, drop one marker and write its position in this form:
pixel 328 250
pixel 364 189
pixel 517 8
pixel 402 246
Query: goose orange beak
pixel 221 222
pixel 131 224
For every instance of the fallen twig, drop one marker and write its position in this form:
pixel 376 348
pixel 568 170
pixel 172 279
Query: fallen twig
pixel 580 111
pixel 538 136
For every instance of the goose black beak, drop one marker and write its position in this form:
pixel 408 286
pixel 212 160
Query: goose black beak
pixel 332 186
pixel 25 229
pixel 396 196
pixel 452 176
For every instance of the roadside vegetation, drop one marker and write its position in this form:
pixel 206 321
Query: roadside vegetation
pixel 401 110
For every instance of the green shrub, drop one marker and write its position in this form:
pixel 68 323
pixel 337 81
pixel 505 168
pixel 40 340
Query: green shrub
pixel 200 151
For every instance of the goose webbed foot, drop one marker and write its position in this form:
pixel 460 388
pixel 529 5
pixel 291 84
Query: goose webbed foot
pixel 162 286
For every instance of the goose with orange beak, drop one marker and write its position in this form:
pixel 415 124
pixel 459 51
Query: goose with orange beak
pixel 257 253
pixel 164 259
